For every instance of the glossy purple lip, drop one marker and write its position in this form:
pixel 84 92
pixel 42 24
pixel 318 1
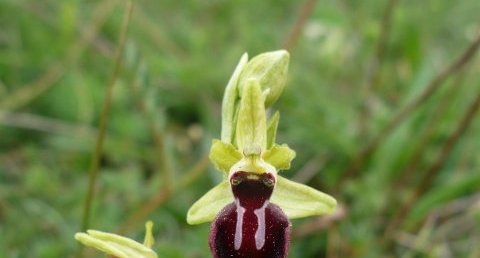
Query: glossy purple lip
pixel 251 226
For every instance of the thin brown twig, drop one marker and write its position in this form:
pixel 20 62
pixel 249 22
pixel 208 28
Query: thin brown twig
pixel 318 224
pixel 333 242
pixel 155 32
pixel 163 196
pixel 32 90
pixel 310 169
pixel 435 168
pixel 408 109
pixel 44 124
pixel 305 11
pixel 96 155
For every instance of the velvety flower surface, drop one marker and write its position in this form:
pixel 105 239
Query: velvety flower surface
pixel 251 226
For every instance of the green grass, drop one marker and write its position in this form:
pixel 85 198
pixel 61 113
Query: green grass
pixel 57 57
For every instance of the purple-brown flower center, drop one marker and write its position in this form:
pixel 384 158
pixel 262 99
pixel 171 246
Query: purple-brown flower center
pixel 251 226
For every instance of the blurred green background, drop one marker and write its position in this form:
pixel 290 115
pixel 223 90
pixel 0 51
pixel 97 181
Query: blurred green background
pixel 355 65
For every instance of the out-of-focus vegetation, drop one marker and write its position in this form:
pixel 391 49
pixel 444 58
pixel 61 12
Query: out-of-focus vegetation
pixel 405 168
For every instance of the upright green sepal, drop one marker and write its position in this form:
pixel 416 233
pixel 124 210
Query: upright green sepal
pixel 230 101
pixel 279 156
pixel 272 129
pixel 270 70
pixel 210 204
pixel 251 129
pixel 298 200
pixel 223 155
pixel 149 240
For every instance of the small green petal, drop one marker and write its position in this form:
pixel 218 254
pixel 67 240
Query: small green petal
pixel 210 204
pixel 272 129
pixel 149 240
pixel 280 156
pixel 230 101
pixel 223 155
pixel 115 245
pixel 251 130
pixel 298 200
pixel 270 70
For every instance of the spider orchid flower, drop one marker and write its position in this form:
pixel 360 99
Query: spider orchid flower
pixel 251 207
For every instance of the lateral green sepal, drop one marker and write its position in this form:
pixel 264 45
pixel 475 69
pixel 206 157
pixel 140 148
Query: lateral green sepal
pixel 210 204
pixel 223 155
pixel 279 156
pixel 298 200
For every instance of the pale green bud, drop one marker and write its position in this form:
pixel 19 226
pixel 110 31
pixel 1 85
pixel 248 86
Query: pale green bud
pixel 270 70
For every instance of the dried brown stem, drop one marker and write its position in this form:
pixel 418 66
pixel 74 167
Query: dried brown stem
pixel 44 124
pixel 96 155
pixel 305 11
pixel 319 224
pixel 407 110
pixel 163 196
pixel 435 168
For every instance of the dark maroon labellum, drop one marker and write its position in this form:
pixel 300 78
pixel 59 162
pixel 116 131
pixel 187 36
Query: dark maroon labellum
pixel 251 226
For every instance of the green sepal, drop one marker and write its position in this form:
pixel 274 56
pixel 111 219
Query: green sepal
pixel 270 70
pixel 230 101
pixel 115 245
pixel 279 156
pixel 210 204
pixel 223 155
pixel 272 129
pixel 251 129
pixel 298 200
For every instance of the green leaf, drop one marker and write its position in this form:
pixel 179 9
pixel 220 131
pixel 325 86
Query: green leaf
pixel 223 155
pixel 210 204
pixel 270 70
pixel 298 200
pixel 279 156
pixel 229 103
pixel 115 245
pixel 252 125
pixel 272 129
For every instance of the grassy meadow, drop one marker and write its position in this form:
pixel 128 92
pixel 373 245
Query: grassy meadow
pixel 381 106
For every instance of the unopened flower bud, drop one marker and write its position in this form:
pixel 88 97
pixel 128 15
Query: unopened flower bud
pixel 270 70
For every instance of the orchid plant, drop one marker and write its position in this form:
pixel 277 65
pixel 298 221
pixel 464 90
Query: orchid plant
pixel 251 207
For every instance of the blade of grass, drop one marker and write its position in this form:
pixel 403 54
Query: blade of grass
pixel 163 196
pixel 372 73
pixel 354 167
pixel 96 155
pixel 435 168
pixel 162 162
